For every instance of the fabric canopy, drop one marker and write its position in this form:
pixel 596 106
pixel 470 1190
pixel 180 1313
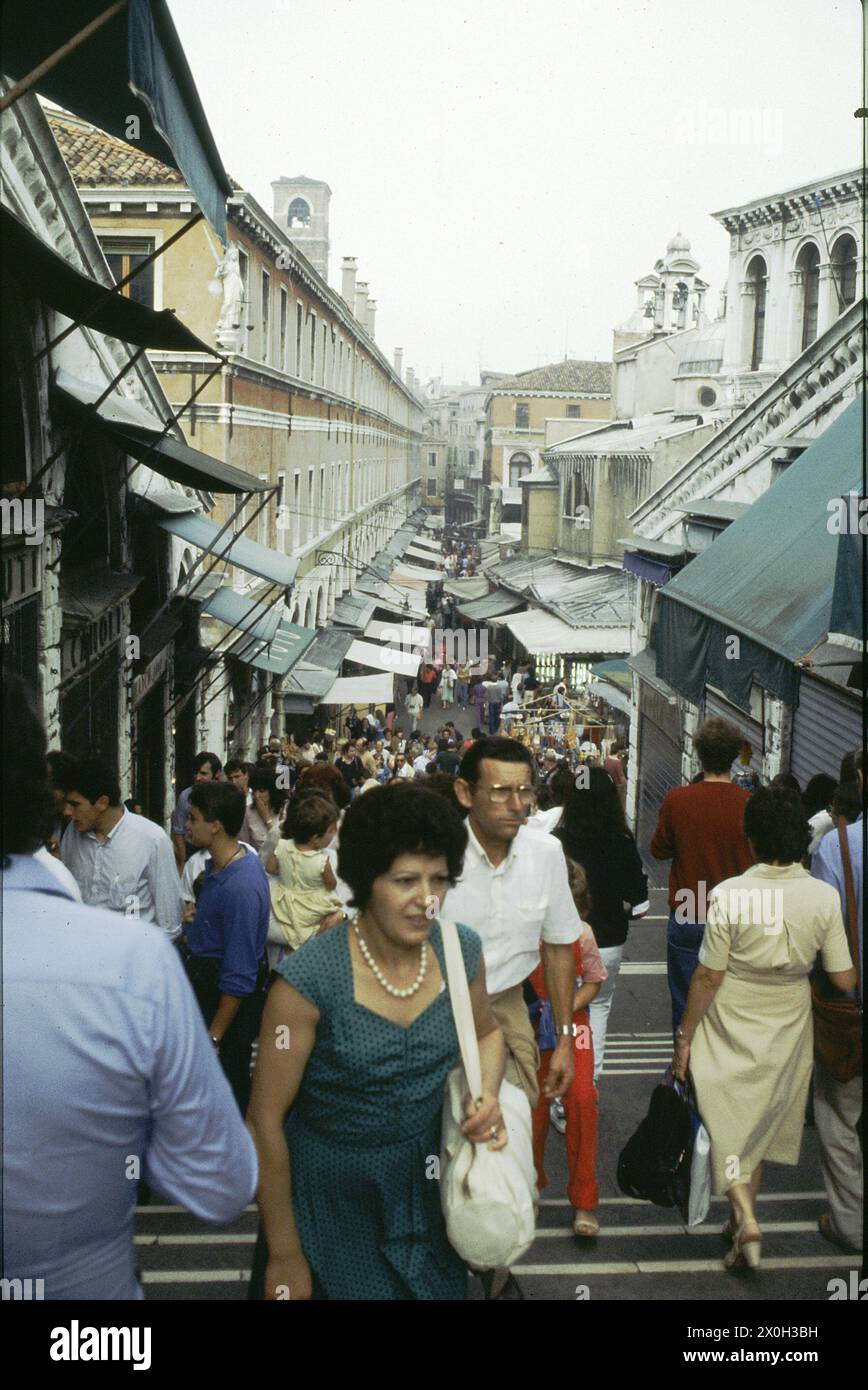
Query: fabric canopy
pixel 401 633
pixel 768 579
pixel 185 465
pixel 656 571
pixel 406 613
pixel 257 619
pixel 382 658
pixel 540 632
pixel 475 587
pixel 46 275
pixel 236 550
pixel 428 556
pixel 611 694
pixel 278 656
pixel 426 543
pixel 361 690
pixel 413 574
pixel 138 433
pixel 493 605
pixel 133 65
pixel 353 610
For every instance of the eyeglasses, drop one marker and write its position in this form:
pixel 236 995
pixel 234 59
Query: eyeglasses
pixel 500 795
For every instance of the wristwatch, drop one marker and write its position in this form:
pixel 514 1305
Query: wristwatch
pixel 215 1041
pixel 568 1030
pixel 681 1036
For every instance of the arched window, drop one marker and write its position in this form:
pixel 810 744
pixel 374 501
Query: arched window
pixel 758 279
pixel 298 213
pixel 808 263
pixel 519 464
pixel 844 269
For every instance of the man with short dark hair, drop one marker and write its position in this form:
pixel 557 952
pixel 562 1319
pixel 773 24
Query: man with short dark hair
pixel 238 773
pixel 701 829
pixel 225 942
pixel 206 768
pixel 119 860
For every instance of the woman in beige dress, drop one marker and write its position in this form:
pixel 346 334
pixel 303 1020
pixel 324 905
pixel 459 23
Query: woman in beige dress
pixel 747 1032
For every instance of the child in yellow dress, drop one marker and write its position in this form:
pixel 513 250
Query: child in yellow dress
pixel 303 881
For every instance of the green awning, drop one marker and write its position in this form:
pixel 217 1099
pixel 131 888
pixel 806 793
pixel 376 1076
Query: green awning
pixel 47 276
pixel 617 672
pixel 134 66
pixel 257 559
pixel 493 605
pixel 767 579
pixel 258 619
pixel 287 646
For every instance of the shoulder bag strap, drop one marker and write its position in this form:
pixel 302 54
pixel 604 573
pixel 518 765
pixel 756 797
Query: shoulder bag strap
pixel 850 891
pixel 462 1010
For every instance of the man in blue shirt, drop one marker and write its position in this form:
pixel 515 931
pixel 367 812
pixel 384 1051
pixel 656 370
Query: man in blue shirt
pixel 838 1104
pixel 225 942
pixel 108 1075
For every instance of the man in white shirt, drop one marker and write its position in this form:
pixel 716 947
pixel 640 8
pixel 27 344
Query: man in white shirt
pixel 428 754
pixel 414 705
pixel 515 893
pixel 119 860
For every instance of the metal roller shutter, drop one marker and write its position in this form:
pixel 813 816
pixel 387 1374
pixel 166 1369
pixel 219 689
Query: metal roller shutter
pixel 716 707
pixel 660 764
pixel 827 724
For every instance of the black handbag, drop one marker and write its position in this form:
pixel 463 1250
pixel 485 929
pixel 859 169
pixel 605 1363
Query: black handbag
pixel 654 1164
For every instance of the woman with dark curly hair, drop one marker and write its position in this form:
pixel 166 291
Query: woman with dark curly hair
pixel 746 1033
pixel 372 1042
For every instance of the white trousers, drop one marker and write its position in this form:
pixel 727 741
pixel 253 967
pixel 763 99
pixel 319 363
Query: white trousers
pixel 599 1007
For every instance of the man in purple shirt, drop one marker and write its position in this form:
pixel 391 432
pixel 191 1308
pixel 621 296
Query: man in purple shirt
pixel 225 942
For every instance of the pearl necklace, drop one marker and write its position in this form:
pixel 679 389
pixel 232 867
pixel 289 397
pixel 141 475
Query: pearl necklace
pixel 398 993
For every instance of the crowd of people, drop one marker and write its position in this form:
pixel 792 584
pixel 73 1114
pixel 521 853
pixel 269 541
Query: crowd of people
pixel 298 900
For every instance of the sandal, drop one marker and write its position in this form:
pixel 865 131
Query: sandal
pixel 746 1249
pixel 585 1225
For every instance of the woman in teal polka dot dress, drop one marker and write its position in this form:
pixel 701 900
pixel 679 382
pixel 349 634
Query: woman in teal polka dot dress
pixel 357 1041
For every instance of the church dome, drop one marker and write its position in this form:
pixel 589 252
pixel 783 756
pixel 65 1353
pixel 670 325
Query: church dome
pixel 678 243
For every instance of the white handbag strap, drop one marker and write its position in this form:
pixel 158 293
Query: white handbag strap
pixel 462 1010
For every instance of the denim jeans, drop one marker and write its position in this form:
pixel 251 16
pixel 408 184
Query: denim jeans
pixel 461 693
pixel 493 718
pixel 683 940
pixel 598 1011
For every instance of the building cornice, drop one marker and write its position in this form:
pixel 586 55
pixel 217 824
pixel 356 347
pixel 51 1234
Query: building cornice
pixel 263 373
pixel 781 207
pixel 821 372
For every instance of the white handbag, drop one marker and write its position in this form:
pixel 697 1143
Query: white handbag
pixel 488 1196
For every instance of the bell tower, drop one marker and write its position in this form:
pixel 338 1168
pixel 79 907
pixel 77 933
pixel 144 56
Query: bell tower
pixel 301 209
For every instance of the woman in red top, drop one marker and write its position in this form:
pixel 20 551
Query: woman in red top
pixel 580 1101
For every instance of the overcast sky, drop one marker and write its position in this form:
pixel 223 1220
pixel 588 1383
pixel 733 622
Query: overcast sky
pixel 504 170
